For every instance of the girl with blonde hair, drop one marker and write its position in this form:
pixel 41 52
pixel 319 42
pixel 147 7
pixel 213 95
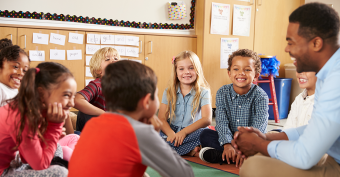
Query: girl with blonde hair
pixel 186 105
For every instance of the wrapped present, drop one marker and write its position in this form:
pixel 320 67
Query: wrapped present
pixel 270 65
pixel 177 10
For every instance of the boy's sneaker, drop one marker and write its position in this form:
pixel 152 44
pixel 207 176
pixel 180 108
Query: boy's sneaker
pixel 211 155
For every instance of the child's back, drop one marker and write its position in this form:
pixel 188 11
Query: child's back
pixel 125 147
pixel 120 143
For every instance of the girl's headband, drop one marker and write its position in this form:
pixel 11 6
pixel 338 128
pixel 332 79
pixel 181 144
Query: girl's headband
pixel 37 70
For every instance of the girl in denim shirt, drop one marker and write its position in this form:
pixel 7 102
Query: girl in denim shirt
pixel 186 105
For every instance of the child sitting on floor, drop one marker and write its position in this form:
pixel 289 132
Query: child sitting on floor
pixel 90 101
pixel 302 107
pixel 186 105
pixel 14 63
pixel 32 122
pixel 119 143
pixel 238 104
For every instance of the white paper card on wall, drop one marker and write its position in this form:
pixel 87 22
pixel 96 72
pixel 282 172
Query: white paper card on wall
pixel 87 81
pixel 124 59
pixel 57 54
pixel 75 38
pixel 132 40
pixel 37 55
pixel 139 61
pixel 228 46
pixel 88 72
pixel 97 38
pixel 107 39
pixel 220 18
pixel 93 38
pixel 121 50
pixel 91 49
pixel 74 55
pixel 241 20
pixel 119 39
pixel 88 59
pixel 39 38
pixel 131 51
pixel 102 46
pixel 57 39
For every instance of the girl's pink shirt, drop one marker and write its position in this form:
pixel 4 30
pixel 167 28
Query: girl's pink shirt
pixel 32 149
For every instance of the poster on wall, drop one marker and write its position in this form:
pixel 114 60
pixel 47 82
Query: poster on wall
pixel 228 46
pixel 241 20
pixel 220 18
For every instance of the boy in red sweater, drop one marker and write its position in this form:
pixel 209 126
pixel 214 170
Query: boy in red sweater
pixel 120 142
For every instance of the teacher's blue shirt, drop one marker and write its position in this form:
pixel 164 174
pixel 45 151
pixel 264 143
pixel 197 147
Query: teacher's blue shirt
pixel 307 144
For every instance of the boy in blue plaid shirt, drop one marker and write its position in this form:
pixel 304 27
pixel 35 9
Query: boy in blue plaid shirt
pixel 238 104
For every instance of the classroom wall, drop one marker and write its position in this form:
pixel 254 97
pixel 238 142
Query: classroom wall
pixel 154 11
pixel 336 3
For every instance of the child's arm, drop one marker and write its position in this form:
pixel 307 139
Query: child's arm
pixel 84 106
pixel 161 156
pixel 259 120
pixel 68 126
pixel 206 112
pixel 33 150
pixel 165 127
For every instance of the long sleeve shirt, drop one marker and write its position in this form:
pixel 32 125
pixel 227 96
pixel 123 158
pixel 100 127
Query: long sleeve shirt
pixel 93 94
pixel 32 149
pixel 116 145
pixel 233 110
pixel 307 144
pixel 301 111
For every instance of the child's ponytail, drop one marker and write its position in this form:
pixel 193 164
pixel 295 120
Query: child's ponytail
pixel 28 103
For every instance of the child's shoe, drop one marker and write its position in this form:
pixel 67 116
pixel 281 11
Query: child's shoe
pixel 211 155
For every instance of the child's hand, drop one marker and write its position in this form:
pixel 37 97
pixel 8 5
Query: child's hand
pixel 250 130
pixel 154 120
pixel 63 133
pixel 228 153
pixel 171 137
pixel 179 138
pixel 55 113
pixel 157 124
pixel 239 160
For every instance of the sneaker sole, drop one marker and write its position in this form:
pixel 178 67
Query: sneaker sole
pixel 202 151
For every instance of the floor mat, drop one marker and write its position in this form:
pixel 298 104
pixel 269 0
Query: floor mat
pixel 225 167
pixel 199 171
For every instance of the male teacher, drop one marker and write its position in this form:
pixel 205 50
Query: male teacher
pixel 313 149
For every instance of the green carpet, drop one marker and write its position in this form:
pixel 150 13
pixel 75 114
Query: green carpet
pixel 199 171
